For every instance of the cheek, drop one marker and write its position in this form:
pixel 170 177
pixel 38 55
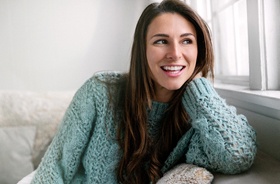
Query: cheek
pixel 193 58
pixel 149 55
pixel 150 62
pixel 152 58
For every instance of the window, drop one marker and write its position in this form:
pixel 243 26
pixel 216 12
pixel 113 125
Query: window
pixel 246 40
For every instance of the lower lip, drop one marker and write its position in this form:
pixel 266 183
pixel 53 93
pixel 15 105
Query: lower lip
pixel 173 73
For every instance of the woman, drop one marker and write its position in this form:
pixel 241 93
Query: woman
pixel 132 128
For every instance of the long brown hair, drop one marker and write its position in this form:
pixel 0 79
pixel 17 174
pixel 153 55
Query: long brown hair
pixel 141 162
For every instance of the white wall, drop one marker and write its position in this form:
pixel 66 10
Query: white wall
pixel 57 44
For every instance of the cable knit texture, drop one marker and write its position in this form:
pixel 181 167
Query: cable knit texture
pixel 186 173
pixel 85 149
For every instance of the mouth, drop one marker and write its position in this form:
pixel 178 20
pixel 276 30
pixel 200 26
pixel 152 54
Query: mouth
pixel 172 69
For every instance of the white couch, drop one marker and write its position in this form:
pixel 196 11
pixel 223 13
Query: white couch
pixel 29 120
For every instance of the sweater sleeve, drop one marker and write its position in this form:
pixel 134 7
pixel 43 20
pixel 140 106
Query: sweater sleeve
pixel 62 159
pixel 222 141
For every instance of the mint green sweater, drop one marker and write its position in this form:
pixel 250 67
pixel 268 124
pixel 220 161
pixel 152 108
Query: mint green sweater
pixel 85 150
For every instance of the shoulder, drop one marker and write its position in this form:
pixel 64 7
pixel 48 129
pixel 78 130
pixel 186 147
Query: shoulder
pixel 109 76
pixel 110 82
pixel 99 89
pixel 102 80
pixel 104 83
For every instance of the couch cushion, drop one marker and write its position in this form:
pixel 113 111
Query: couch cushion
pixel 41 109
pixel 16 145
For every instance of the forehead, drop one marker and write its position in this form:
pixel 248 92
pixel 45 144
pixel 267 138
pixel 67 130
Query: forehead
pixel 170 23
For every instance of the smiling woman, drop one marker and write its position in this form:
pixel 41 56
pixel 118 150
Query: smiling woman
pixel 135 127
pixel 171 53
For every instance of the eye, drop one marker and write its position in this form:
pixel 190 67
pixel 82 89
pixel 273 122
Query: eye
pixel 187 41
pixel 160 42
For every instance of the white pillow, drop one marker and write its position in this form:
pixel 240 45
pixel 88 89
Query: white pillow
pixel 16 145
pixel 41 109
pixel 27 179
pixel 186 173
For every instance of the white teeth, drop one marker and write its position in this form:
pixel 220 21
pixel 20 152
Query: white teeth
pixel 172 68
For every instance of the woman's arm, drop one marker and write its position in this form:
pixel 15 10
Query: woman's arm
pixel 223 141
pixel 62 159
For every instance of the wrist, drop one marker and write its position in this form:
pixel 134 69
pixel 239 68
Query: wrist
pixel 196 91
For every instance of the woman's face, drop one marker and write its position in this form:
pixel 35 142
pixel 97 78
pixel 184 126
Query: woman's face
pixel 171 53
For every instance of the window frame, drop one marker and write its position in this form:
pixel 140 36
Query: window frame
pixel 259 99
pixel 264 72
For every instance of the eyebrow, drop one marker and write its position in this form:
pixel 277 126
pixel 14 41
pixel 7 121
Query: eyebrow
pixel 166 35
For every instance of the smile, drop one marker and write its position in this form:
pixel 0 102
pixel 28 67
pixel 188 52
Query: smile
pixel 173 71
pixel 172 68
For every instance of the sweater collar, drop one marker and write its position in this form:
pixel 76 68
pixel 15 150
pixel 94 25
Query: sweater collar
pixel 157 111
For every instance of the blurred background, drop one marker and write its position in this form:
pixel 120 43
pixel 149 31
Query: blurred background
pixel 57 45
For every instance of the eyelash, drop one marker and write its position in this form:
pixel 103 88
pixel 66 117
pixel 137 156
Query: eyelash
pixel 162 41
pixel 189 41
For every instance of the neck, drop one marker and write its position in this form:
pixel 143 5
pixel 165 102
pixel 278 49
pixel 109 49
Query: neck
pixel 163 95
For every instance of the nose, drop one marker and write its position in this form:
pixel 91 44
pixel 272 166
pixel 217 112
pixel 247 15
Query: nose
pixel 174 52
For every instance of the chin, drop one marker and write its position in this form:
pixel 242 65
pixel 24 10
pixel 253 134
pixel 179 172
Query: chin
pixel 173 88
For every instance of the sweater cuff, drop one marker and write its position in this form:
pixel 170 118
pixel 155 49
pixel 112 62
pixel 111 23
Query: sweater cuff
pixel 196 91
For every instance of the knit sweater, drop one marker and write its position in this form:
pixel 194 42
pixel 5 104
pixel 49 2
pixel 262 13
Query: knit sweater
pixel 85 149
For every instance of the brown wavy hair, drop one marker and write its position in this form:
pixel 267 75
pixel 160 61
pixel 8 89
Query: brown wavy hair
pixel 142 161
